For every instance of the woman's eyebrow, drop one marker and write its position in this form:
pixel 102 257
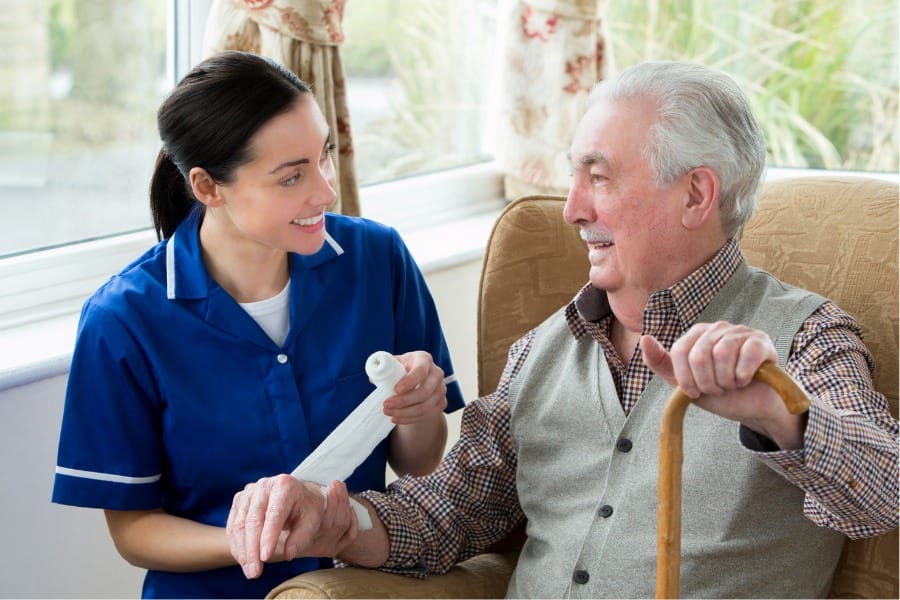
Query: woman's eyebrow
pixel 290 163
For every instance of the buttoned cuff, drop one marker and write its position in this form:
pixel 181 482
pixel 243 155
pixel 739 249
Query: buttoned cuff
pixel 815 459
pixel 405 557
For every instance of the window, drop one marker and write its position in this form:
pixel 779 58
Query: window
pixel 77 131
pixel 821 74
pixel 78 138
pixel 418 85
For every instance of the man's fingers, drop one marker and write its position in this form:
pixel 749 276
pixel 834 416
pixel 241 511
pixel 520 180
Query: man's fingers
pixel 656 357
pixel 755 350
pixel 725 357
pixel 252 528
pixel 306 528
pixel 278 510
pixel 234 528
pixel 702 363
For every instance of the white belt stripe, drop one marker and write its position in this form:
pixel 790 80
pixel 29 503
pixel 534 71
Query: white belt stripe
pixel 106 476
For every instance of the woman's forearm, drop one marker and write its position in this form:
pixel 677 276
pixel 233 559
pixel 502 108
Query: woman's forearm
pixel 416 449
pixel 160 541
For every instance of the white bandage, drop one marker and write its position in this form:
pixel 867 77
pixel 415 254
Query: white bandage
pixel 355 438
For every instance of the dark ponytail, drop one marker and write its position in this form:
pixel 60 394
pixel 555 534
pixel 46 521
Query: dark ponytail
pixel 207 121
pixel 170 198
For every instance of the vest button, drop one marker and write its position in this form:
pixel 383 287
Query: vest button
pixel 605 511
pixel 581 576
pixel 623 445
pixel 282 359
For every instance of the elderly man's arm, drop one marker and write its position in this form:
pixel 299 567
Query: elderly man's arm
pixel 848 464
pixel 843 453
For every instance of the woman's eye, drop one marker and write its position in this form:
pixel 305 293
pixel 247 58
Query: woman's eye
pixel 290 180
pixel 329 150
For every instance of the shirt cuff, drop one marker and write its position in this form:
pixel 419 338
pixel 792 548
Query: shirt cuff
pixel 815 459
pixel 405 541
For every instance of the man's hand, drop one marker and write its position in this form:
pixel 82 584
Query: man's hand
pixel 714 364
pixel 421 394
pixel 282 512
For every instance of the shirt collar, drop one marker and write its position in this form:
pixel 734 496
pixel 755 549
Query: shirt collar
pixel 688 297
pixel 186 274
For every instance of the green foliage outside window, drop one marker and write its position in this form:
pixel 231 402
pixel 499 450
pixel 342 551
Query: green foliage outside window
pixel 821 74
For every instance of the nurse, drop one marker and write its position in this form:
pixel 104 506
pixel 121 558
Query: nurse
pixel 233 347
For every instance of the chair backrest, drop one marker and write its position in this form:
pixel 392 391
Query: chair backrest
pixel 836 236
pixel 534 263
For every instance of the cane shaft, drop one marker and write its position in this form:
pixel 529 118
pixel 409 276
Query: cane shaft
pixel 671 447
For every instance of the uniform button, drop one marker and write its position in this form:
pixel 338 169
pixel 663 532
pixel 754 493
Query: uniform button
pixel 605 511
pixel 281 358
pixel 623 445
pixel 581 576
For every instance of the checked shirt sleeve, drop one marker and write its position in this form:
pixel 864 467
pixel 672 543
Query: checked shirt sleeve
pixel 848 465
pixel 469 502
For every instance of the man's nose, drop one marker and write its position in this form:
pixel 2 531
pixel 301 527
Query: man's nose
pixel 577 207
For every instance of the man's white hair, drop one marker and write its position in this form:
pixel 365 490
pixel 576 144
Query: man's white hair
pixel 703 119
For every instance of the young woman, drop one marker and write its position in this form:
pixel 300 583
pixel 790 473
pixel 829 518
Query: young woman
pixel 232 348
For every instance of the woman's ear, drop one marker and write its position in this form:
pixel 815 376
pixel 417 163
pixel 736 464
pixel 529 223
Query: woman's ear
pixel 205 189
pixel 702 199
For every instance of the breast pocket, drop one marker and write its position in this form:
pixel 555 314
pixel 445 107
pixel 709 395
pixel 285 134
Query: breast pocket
pixel 349 392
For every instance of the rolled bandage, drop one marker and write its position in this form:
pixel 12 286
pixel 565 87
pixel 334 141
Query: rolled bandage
pixel 355 438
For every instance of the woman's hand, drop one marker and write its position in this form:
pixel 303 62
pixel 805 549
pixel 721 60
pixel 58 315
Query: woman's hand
pixel 421 394
pixel 417 443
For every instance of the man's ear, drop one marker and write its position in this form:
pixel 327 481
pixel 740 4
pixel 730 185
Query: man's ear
pixel 702 200
pixel 205 189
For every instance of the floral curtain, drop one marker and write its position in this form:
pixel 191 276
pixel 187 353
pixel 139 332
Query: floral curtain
pixel 555 53
pixel 304 36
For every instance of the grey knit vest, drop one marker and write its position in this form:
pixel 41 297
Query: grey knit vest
pixel 591 503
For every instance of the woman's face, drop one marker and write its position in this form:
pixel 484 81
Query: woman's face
pixel 278 199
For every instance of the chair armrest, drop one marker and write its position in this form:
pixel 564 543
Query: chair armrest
pixel 482 576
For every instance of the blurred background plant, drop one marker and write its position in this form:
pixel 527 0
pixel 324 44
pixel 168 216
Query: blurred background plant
pixel 428 63
pixel 822 75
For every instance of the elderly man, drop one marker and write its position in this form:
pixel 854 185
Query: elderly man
pixel 666 164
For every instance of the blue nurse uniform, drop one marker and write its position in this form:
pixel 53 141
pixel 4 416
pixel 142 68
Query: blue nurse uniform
pixel 176 397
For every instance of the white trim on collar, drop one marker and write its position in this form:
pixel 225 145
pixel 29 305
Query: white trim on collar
pixel 170 268
pixel 334 245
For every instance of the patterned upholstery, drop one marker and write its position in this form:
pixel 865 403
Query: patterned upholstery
pixel 835 236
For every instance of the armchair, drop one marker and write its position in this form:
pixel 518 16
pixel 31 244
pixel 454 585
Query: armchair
pixel 837 236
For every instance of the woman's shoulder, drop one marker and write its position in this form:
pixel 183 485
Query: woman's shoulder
pixel 344 224
pixel 361 231
pixel 143 278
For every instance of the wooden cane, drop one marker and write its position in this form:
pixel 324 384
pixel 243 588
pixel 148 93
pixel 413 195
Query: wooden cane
pixel 668 534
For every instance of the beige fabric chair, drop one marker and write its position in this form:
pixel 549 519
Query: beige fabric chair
pixel 832 235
